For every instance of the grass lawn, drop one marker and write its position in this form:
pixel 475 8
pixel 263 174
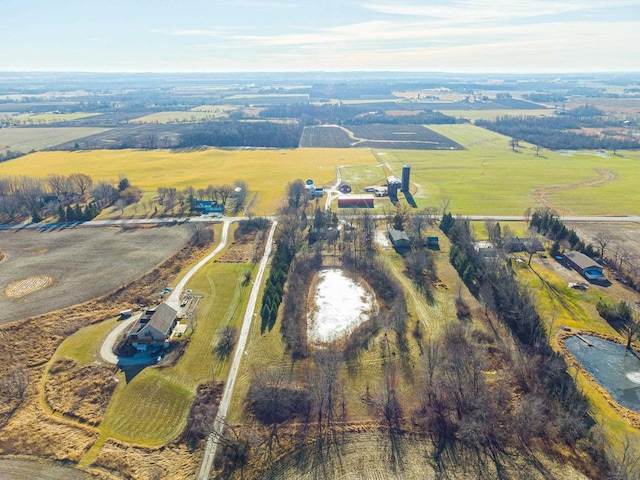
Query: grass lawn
pixel 152 408
pixel 266 172
pixel 84 345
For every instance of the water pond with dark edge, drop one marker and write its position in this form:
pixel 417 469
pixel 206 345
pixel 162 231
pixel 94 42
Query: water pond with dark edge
pixel 612 365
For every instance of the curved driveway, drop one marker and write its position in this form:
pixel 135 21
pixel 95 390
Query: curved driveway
pixel 106 350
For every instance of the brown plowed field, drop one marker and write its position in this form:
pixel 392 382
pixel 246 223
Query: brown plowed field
pixel 84 262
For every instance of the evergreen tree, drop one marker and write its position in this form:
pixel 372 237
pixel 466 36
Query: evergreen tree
pixel 35 216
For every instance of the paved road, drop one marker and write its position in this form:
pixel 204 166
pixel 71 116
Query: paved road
pixel 106 350
pixel 331 193
pixel 220 420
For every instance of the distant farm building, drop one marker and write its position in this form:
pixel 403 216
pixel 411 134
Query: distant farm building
pixel 378 191
pixel 355 201
pixel 208 206
pixel 585 266
pixel 393 185
pixel 344 188
pixel 314 192
pixel 399 239
pixel 153 328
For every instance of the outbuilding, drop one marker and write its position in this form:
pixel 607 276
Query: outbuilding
pixel 355 201
pixel 399 239
pixel 585 266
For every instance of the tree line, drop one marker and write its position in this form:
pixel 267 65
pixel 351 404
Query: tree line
pixel 544 378
pixel 558 132
pixel 243 134
pixel 339 114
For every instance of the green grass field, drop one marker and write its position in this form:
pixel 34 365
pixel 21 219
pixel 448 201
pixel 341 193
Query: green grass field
pixel 27 139
pixel 488 178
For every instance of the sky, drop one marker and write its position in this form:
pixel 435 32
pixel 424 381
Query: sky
pixel 501 36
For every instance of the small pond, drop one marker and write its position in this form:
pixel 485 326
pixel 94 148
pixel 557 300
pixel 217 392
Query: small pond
pixel 340 305
pixel 612 365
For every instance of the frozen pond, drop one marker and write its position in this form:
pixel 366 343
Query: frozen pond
pixel 613 367
pixel 340 305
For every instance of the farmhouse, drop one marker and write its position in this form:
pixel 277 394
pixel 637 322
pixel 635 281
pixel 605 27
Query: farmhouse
pixel 153 328
pixel 486 251
pixel 355 201
pixel 207 206
pixel 398 238
pixel 584 265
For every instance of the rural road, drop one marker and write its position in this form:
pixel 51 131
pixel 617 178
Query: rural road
pixel 183 220
pixel 221 417
pixel 106 350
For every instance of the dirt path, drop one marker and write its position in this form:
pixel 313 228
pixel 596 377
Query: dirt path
pixel 220 421
pixel 542 195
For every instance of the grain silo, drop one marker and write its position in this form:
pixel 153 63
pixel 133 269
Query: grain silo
pixel 406 174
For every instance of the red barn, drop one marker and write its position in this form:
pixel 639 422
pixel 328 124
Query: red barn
pixel 355 201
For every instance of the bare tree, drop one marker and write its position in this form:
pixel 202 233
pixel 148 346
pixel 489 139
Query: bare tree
pixel 224 191
pixel 602 239
pixel 81 183
pixel 58 184
pixel 445 203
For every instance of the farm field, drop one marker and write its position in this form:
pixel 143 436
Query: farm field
pixel 489 178
pixel 493 114
pixel 266 171
pixel 178 117
pixel 29 469
pixel 416 137
pixel 325 136
pixel 81 263
pixel 44 118
pixel 27 139
pixel 266 99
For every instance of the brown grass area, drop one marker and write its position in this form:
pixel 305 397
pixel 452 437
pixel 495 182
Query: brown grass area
pixel 244 249
pixel 82 393
pixel 31 431
pixel 169 461
pixel 29 285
